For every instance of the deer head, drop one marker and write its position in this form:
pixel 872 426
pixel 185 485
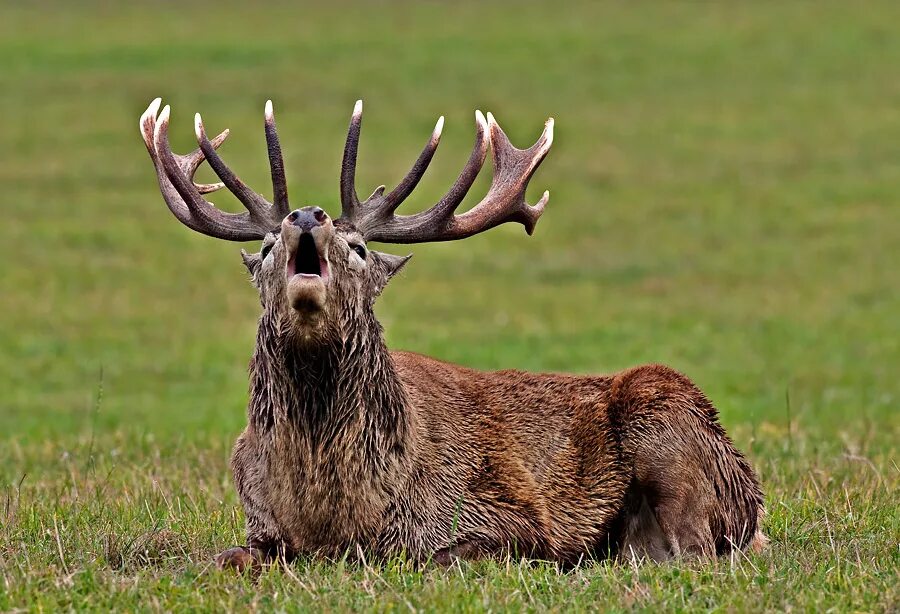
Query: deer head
pixel 315 274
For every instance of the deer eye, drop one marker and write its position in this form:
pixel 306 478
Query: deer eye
pixel 266 249
pixel 359 249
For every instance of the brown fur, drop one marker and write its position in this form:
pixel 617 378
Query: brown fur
pixel 352 448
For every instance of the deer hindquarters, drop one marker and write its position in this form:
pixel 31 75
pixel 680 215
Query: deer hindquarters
pixel 692 493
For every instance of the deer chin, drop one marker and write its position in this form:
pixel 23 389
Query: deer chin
pixel 306 293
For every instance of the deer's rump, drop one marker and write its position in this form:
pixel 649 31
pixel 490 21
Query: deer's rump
pixel 561 466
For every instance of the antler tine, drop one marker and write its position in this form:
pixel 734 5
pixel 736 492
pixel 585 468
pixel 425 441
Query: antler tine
pixel 504 202
pixel 276 163
pixel 378 210
pixel 210 221
pixel 189 163
pixel 455 195
pixel 378 205
pixel 183 197
pixel 259 207
pixel 173 200
pixel 409 183
pixel 349 198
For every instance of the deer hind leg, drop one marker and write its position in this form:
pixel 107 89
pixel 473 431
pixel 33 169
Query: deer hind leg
pixel 661 524
pixel 678 451
pixel 642 536
pixel 685 523
pixel 677 494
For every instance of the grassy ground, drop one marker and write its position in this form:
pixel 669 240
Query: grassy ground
pixel 725 189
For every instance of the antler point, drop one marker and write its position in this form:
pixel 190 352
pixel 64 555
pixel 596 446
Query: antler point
pixel 548 132
pixel 148 117
pixel 152 108
pixel 198 126
pixel 162 124
pixel 218 140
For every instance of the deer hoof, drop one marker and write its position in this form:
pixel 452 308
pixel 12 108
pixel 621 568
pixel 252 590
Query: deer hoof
pixel 237 559
pixel 444 558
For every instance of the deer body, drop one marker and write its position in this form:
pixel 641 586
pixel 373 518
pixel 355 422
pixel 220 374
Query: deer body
pixel 352 448
pixel 539 464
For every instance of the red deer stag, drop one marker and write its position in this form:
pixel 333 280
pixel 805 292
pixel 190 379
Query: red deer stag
pixel 351 447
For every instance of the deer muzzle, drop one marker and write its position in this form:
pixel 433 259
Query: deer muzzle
pixel 306 234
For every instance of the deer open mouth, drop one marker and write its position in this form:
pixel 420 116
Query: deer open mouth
pixel 306 262
pixel 306 268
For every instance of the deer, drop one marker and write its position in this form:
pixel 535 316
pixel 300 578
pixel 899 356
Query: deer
pixel 353 449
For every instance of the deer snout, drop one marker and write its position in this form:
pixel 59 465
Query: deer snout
pixel 310 222
pixel 306 234
pixel 307 218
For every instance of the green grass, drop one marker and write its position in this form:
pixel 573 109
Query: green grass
pixel 724 183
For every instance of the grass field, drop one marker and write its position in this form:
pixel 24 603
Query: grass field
pixel 725 189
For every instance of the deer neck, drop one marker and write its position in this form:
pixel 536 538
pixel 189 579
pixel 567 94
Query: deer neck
pixel 339 388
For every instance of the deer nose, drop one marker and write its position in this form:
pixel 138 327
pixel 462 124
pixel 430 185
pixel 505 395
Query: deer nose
pixel 307 218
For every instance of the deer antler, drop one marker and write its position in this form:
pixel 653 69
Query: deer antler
pixel 175 174
pixel 504 202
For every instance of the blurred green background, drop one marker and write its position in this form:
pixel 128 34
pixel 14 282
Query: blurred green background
pixel 724 198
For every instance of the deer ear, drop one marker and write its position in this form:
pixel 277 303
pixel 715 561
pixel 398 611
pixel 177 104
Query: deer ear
pixel 393 263
pixel 251 261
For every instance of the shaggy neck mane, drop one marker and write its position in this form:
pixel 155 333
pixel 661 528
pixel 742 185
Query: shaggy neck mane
pixel 340 386
pixel 333 414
